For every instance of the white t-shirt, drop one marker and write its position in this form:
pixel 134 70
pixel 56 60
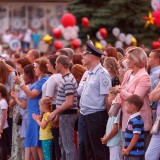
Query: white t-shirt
pixel 3 105
pixel 6 38
pixel 50 87
pixel 27 36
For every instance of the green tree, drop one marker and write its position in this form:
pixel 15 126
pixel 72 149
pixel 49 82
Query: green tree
pixel 127 15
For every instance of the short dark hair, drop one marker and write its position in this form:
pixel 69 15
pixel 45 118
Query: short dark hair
pixel 64 60
pixel 156 53
pixel 135 100
pixel 63 52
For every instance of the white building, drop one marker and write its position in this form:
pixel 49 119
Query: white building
pixel 43 15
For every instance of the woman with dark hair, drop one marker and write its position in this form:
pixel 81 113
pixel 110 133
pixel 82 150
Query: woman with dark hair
pixel 17 150
pixel 20 124
pixel 34 93
pixel 49 89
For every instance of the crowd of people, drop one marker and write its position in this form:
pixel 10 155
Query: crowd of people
pixel 55 106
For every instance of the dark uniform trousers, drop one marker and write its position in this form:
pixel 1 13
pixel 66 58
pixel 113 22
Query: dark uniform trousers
pixel 94 129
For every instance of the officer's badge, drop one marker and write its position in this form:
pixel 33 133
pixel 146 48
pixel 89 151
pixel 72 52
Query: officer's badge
pixel 105 82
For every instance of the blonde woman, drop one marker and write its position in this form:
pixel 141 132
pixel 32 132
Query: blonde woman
pixel 136 81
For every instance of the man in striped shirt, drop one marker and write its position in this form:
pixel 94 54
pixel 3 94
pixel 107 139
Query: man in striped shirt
pixel 66 108
pixel 133 148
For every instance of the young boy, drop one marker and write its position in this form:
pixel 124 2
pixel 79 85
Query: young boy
pixel 133 148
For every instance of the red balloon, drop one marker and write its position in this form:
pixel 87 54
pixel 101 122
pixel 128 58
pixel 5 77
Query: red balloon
pixel 75 43
pixel 85 22
pixel 68 20
pixel 156 17
pixel 156 44
pixel 58 45
pixel 57 33
pixel 103 32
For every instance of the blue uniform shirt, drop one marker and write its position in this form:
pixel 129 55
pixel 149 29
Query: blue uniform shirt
pixel 93 87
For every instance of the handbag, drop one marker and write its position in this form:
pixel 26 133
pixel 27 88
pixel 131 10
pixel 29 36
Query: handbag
pixel 155 127
pixel 115 107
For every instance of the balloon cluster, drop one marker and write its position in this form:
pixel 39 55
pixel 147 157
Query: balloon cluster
pixel 68 31
pixel 101 36
pixel 122 38
pixel 156 44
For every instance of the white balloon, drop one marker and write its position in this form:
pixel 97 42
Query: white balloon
pixel 76 28
pixel 73 35
pixel 69 29
pixel 128 39
pixel 66 36
pixel 104 44
pixel 116 31
pixel 119 44
pixel 122 37
pixel 69 33
pixel 98 35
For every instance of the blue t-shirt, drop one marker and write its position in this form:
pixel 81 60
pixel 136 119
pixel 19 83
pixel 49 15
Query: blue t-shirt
pixel 135 125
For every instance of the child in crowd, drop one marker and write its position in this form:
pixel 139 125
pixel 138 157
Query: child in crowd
pixel 133 148
pixel 112 138
pixel 3 121
pixel 45 134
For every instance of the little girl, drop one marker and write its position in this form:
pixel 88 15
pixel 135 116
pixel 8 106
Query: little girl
pixel 3 121
pixel 45 133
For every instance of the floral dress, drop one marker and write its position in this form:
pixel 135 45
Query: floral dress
pixel 17 152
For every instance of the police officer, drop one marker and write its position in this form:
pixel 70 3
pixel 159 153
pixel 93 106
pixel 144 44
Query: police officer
pixel 94 90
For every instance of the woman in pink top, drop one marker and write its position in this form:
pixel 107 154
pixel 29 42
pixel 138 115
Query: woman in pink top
pixel 136 81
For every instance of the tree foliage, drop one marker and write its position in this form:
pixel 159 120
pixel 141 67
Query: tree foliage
pixel 124 14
